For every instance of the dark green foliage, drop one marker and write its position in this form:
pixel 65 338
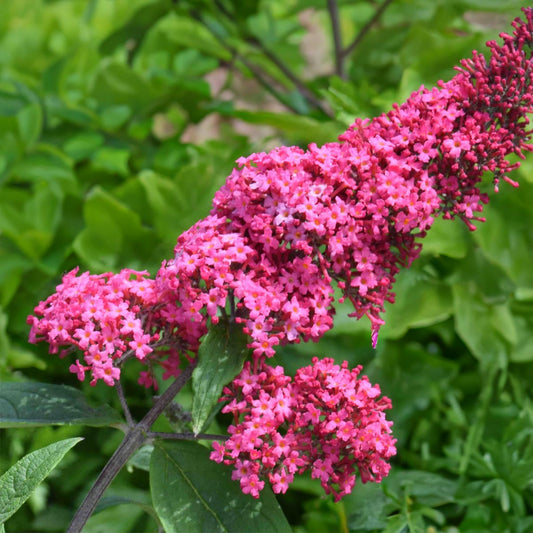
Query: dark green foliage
pixel 191 493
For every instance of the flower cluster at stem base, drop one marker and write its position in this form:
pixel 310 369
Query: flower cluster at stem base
pixel 327 420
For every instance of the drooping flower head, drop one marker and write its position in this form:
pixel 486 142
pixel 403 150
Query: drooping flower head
pixel 292 224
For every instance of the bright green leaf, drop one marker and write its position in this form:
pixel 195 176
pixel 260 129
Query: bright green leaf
pixel 142 20
pixel 113 160
pixel 45 167
pixel 115 116
pixel 118 84
pixel 83 145
pixel 366 507
pixel 295 127
pixel 30 122
pixel 522 352
pixel 189 33
pixel 112 231
pixel 427 488
pixel 506 238
pixel 220 359
pixel 17 484
pixel 12 267
pixel 474 322
pixel 22 358
pixel 446 237
pixel 421 301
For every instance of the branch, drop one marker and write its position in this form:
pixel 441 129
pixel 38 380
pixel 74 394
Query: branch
pixel 133 440
pixel 124 404
pixel 337 38
pixel 299 84
pixel 296 81
pixel 365 29
pixel 256 71
pixel 281 66
pixel 184 436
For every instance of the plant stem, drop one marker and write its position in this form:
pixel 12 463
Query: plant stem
pixel 337 38
pixel 185 436
pixel 290 75
pixel 299 84
pixel 132 441
pixel 124 404
pixel 365 29
pixel 135 437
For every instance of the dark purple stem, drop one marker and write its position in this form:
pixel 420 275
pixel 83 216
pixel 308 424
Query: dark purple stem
pixel 133 440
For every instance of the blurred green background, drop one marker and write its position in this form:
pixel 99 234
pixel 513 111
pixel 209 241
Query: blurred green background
pixel 119 119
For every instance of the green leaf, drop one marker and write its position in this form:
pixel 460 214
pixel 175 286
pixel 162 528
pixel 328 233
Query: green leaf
pixel 83 145
pixel 410 377
pixel 122 506
pixel 47 167
pixel 177 203
pixel 22 358
pixel 366 507
pixel 17 484
pixel 118 84
pixel 4 337
pixel 426 487
pixel 189 33
pixel 30 122
pixel 42 404
pixel 80 116
pixel 138 25
pixel 475 323
pixel 112 230
pixel 506 238
pixel 522 352
pixel 421 301
pixel 446 237
pixel 32 228
pixel 123 517
pixel 220 359
pixel 295 127
pixel 141 458
pixel 115 116
pixel 192 63
pixel 113 160
pixel 194 494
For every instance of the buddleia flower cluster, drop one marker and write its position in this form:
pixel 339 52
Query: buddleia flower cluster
pixel 291 225
pixel 328 420
pixel 288 228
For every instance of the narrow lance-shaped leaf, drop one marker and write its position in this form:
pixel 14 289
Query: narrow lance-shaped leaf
pixel 220 359
pixel 42 404
pixel 194 494
pixel 17 484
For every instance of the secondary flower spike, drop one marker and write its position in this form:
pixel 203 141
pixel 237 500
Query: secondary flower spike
pixel 328 420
